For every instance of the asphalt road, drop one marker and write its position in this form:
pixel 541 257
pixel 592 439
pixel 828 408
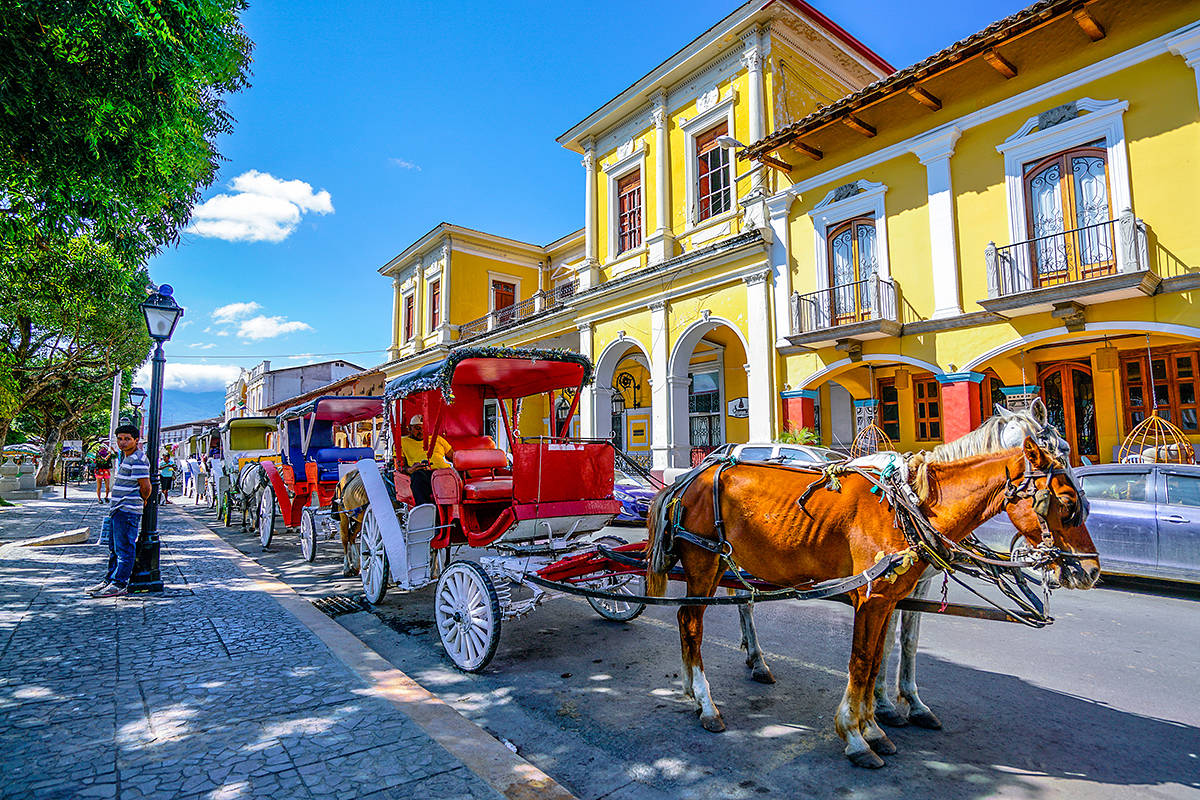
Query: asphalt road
pixel 1104 703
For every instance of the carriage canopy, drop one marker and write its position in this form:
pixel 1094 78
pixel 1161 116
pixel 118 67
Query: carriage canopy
pixel 501 373
pixel 247 433
pixel 334 409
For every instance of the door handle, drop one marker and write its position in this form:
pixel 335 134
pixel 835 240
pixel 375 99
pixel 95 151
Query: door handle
pixel 1174 518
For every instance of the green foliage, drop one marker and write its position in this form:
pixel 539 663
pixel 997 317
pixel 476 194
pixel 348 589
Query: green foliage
pixel 109 113
pixel 791 435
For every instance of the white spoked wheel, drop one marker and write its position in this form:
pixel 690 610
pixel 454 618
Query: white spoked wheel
pixel 308 534
pixel 266 517
pixel 617 610
pixel 467 612
pixel 372 559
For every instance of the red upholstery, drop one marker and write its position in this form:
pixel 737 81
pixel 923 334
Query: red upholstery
pixel 487 489
pixel 403 488
pixel 468 460
pixel 446 485
pixel 461 442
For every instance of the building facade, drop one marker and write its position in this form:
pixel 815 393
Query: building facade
pixel 1009 218
pixel 256 389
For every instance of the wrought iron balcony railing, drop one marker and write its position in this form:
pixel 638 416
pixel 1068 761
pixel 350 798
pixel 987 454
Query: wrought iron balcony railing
pixel 872 298
pixel 519 312
pixel 1092 251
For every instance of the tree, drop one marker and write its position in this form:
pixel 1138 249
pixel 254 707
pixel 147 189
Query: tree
pixel 67 315
pixel 109 113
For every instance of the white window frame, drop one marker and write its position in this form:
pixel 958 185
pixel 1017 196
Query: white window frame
pixel 829 213
pixel 613 174
pixel 1104 120
pixel 505 278
pixel 712 360
pixel 416 329
pixel 429 281
pixel 692 129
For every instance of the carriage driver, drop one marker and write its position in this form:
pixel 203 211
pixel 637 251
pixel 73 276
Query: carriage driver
pixel 419 463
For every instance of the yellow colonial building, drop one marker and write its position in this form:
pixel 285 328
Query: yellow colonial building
pixel 783 231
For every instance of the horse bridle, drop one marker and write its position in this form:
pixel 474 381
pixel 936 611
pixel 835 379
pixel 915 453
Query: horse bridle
pixel 1026 488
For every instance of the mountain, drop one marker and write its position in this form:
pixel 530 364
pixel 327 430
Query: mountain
pixel 179 406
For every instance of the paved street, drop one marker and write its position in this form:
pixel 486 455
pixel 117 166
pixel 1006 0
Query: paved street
pixel 212 690
pixel 1099 705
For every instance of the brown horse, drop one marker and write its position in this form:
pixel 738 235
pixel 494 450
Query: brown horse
pixel 350 505
pixel 836 534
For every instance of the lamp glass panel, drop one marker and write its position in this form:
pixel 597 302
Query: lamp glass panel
pixel 160 321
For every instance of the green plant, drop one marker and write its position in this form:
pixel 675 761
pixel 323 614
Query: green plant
pixel 790 435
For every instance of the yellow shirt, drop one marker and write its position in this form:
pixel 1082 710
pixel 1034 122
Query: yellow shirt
pixel 414 452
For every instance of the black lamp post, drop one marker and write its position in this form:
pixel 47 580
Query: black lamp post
pixel 162 312
pixel 137 396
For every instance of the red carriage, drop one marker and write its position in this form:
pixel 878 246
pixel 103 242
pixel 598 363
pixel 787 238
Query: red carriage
pixel 305 482
pixel 531 505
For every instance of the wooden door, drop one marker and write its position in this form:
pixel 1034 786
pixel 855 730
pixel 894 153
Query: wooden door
pixel 1070 400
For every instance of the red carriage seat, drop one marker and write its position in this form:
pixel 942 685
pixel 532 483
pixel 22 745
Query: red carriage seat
pixel 478 467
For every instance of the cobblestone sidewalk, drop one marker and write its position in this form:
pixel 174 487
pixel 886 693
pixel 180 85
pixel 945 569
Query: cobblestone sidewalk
pixel 211 691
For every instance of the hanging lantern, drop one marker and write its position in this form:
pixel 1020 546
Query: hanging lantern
pixel 1154 439
pixel 901 377
pixel 871 439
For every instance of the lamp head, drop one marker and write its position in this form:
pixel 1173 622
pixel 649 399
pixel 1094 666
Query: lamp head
pixel 137 396
pixel 162 313
pixel 729 143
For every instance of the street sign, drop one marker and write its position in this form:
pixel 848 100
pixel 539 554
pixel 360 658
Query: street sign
pixel 739 408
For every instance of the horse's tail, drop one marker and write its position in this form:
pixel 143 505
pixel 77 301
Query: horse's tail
pixel 659 556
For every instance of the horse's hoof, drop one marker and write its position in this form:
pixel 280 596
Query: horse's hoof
pixel 883 746
pixel 762 675
pixel 866 758
pixel 713 724
pixel 925 719
pixel 890 717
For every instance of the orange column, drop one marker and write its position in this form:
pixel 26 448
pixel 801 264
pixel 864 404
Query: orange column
pixel 799 409
pixel 961 412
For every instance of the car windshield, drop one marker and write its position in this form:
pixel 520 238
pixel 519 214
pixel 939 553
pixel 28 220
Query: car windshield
pixel 631 479
pixel 755 453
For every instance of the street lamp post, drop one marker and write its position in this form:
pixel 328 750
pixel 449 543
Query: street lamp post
pixel 137 396
pixel 162 312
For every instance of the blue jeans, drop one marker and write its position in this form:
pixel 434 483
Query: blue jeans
pixel 125 527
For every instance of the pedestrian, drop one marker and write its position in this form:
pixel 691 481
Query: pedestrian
pixel 420 462
pixel 166 477
pixel 130 492
pixel 103 463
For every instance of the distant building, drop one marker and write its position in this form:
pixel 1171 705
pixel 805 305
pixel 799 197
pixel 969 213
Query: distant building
pixel 172 435
pixel 367 383
pixel 261 387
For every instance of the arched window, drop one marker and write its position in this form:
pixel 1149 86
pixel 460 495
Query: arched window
pixel 989 393
pixel 1068 208
pixel 853 264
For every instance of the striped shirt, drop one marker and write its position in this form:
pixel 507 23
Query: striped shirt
pixel 126 494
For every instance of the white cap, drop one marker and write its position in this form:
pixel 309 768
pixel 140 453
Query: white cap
pixel 416 420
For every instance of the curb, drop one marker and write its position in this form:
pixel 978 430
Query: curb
pixel 500 768
pixel 73 536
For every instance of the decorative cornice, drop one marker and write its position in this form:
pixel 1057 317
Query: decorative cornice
pixel 656 305
pixel 755 278
pixel 936 146
pixel 1082 104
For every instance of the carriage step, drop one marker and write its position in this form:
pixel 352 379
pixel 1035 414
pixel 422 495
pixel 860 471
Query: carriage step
pixel 338 604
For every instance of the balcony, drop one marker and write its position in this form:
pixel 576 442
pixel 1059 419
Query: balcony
pixel 528 309
pixel 864 309
pixel 1061 272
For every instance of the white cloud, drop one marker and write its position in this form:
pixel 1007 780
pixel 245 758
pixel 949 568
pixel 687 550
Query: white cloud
pixel 199 346
pixel 263 327
pixel 263 209
pixel 232 311
pixel 190 377
pixel 403 164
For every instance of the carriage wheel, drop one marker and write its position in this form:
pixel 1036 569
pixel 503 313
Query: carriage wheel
pixel 308 534
pixel 618 610
pixel 372 559
pixel 266 517
pixel 467 612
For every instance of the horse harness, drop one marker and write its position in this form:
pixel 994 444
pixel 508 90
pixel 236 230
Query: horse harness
pixel 925 541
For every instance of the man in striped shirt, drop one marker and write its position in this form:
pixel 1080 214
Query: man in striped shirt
pixel 130 491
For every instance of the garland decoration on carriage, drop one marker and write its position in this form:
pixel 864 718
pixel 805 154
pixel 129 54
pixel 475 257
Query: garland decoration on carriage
pixel 440 376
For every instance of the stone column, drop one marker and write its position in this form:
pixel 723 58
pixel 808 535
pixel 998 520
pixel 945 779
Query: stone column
pixel 760 388
pixel 589 271
pixel 961 410
pixel 1019 398
pixel 660 388
pixel 397 319
pixel 588 398
pixel 445 328
pixel 779 257
pixel 799 409
pixel 661 242
pixel 934 152
pixel 752 59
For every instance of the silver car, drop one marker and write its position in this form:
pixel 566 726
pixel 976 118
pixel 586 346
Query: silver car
pixel 1144 519
pixel 773 451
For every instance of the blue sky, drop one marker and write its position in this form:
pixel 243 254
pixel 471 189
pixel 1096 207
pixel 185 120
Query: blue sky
pixel 367 123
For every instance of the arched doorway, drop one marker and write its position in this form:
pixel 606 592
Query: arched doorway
pixel 1070 398
pixel 709 390
pixel 622 404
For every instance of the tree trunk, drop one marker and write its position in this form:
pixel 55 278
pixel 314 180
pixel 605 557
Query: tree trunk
pixel 5 425
pixel 50 451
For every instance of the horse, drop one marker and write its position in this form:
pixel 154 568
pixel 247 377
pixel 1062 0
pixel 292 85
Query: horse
pixel 831 535
pixel 248 486
pixel 350 506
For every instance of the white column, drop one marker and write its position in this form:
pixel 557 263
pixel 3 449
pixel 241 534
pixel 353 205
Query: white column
pixel 589 271
pixel 760 388
pixel 934 152
pixel 1187 46
pixel 397 314
pixel 752 59
pixel 660 395
pixel 587 398
pixel 444 329
pixel 779 257
pixel 661 243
